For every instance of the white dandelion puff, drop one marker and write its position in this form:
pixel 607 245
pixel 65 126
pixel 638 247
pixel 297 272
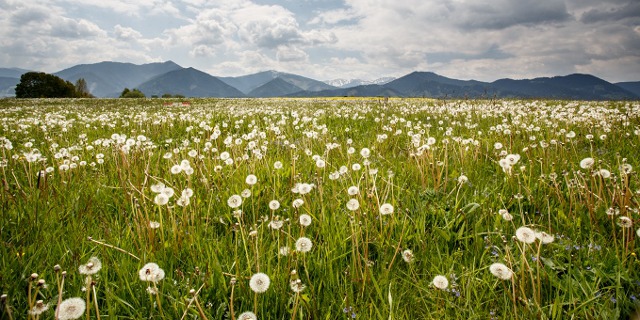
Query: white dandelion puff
pixel 259 282
pixel 440 282
pixel 501 271
pixel 303 244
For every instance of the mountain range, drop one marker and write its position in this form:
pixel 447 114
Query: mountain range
pixel 108 79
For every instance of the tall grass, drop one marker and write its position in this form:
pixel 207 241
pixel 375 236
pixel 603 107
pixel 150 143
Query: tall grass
pixel 441 188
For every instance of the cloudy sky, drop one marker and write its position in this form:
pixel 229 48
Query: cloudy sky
pixel 328 39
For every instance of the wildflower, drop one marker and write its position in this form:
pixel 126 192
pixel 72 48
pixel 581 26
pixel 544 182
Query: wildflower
pixel 320 163
pixel 188 192
pixel 151 272
pixel 625 222
pixel 587 163
pixel 365 152
pixel 277 165
pixel 39 308
pixel 175 169
pixel 626 168
pixel 604 173
pixel 247 315
pixel 353 190
pixel 305 220
pixel 544 237
pixel 501 271
pixel 276 224
pixel 234 201
pixel 161 199
pixel 283 251
pixel 513 158
pixel 303 244
pixel 297 286
pixel 526 235
pixel 259 282
pixel 274 205
pixel 386 209
pixel 440 282
pixel 72 308
pixel 251 179
pixel 297 203
pixel 353 204
pixel 246 193
pixel 407 256
pixel 92 267
pixel 463 179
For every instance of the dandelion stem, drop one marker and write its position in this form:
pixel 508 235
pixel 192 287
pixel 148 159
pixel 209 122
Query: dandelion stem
pixel 113 247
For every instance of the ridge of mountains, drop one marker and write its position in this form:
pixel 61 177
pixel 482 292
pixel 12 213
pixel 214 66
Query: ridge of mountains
pixel 108 79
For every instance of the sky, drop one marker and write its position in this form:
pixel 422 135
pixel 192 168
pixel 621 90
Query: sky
pixel 328 39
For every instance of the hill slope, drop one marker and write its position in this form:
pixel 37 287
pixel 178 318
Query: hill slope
pixel 108 79
pixel 190 83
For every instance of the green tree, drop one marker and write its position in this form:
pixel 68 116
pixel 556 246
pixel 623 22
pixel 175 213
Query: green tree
pixel 135 93
pixel 82 91
pixel 43 85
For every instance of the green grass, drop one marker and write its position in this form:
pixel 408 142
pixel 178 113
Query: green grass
pixel 356 266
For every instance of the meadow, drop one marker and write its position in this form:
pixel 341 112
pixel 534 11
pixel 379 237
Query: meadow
pixel 319 209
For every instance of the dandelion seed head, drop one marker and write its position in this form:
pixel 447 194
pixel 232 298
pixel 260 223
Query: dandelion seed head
pixel 440 282
pixel 151 272
pixel 91 267
pixel 303 244
pixel 259 282
pixel 247 315
pixel 526 235
pixel 501 271
pixel 305 220
pixel 72 308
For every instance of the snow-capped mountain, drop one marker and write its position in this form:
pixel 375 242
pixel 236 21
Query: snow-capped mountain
pixel 349 83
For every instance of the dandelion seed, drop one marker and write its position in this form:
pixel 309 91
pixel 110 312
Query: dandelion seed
pixel 501 271
pixel 234 201
pixel 72 308
pixel 305 220
pixel 303 244
pixel 297 203
pixel 283 251
pixel 161 199
pixel 386 209
pixel 365 152
pixel 154 224
pixel 188 192
pixel 175 169
pixel 440 282
pixel 297 286
pixel 151 272
pixel 39 308
pixel 246 193
pixel 251 179
pixel 353 190
pixel 276 224
pixel 353 204
pixel 92 267
pixel 274 204
pixel 259 282
pixel 247 315
pixel 320 163
pixel 626 168
pixel 544 237
pixel 526 235
pixel 277 165
pixel 463 179
pixel 587 163
pixel 356 167
pixel 625 222
pixel 407 256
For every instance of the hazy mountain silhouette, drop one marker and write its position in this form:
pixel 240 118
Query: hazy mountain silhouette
pixel 108 79
pixel 188 82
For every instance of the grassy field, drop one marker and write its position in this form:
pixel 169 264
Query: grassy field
pixel 319 209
